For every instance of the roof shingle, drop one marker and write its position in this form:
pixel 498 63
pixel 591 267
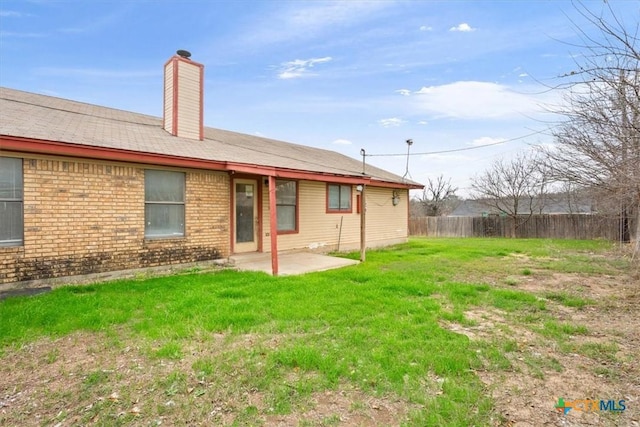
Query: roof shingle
pixel 34 116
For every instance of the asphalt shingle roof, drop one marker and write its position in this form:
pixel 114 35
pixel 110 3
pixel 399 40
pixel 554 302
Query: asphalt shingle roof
pixel 34 116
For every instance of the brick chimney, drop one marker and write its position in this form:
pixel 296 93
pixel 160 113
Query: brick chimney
pixel 183 97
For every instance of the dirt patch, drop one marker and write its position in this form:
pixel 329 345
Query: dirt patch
pixel 344 407
pixel 489 324
pixel 601 364
pixel 597 288
pixel 90 378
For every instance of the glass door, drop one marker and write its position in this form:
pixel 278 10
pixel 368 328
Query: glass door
pixel 246 215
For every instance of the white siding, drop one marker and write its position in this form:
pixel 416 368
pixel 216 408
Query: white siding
pixel 186 94
pixel 188 100
pixel 168 97
pixel 386 224
pixel 319 230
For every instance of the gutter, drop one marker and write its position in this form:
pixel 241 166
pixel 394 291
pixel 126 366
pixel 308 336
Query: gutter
pixel 39 146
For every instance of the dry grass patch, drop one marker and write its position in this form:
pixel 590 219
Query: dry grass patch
pixel 90 378
pixel 601 363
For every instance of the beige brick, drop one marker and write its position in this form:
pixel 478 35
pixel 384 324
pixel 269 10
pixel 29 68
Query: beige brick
pixel 76 210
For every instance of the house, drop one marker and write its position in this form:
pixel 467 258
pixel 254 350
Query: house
pixel 551 204
pixel 87 189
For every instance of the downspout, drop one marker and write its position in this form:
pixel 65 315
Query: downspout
pixel 340 233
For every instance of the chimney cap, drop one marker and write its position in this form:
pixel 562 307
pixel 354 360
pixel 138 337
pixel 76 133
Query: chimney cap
pixel 184 53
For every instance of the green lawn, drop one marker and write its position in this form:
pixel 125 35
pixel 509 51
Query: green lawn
pixel 374 327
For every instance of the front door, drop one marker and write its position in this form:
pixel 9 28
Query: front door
pixel 245 193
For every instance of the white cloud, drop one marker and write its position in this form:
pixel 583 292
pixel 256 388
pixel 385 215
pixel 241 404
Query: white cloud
pixel 475 100
pixel 342 142
pixel 73 30
pixel 426 28
pixel 463 28
pixel 485 140
pixel 423 122
pixel 391 122
pixel 299 67
pixel 523 75
pixel 100 22
pixel 425 90
pixel 307 20
pixel 404 92
pixel 10 13
pixel 96 72
pixel 327 14
pixel 21 35
pixel 447 158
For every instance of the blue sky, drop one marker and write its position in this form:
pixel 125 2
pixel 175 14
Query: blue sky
pixel 340 75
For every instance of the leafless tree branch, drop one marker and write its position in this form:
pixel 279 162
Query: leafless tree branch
pixel 598 143
pixel 514 187
pixel 439 197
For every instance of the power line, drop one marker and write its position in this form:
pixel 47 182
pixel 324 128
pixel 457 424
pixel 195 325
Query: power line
pixel 456 149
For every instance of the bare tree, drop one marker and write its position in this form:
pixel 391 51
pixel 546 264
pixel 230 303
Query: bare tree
pixel 574 198
pixel 439 197
pixel 514 187
pixel 598 143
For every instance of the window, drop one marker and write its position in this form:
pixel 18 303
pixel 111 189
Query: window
pixel 11 202
pixel 164 203
pixel 338 198
pixel 287 205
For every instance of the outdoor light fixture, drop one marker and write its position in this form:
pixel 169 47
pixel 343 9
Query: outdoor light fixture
pixel 395 199
pixel 359 188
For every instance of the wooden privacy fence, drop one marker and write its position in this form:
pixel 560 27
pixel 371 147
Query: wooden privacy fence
pixel 585 227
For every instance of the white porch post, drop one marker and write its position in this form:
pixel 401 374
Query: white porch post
pixel 363 224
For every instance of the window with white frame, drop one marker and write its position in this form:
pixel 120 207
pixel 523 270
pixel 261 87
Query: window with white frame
pixel 164 194
pixel 287 205
pixel 338 198
pixel 11 202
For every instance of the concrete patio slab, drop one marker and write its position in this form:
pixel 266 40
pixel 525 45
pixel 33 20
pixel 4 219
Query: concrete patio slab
pixel 289 263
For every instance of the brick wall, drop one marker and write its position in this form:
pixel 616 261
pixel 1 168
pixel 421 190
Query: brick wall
pixel 83 217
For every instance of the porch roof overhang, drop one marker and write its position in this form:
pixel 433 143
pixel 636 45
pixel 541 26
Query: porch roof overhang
pixel 59 148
